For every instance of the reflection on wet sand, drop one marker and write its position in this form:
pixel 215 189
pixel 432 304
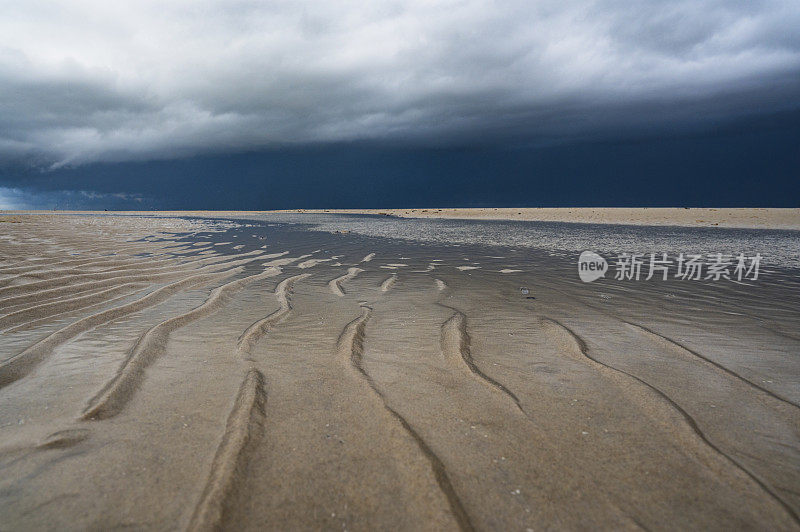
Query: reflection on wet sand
pixel 205 374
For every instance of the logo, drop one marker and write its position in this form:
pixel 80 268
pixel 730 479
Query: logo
pixel 591 266
pixel 692 267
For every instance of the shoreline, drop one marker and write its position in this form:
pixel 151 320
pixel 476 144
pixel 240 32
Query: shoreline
pixel 731 218
pixel 740 218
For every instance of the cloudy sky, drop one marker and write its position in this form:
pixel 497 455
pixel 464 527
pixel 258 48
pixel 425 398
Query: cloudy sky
pixel 91 91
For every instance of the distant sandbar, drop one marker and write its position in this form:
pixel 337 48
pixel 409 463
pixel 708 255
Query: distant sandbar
pixel 749 218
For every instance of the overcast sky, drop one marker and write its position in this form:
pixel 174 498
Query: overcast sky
pixel 84 81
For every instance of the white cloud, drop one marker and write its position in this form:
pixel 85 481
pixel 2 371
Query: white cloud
pixel 88 80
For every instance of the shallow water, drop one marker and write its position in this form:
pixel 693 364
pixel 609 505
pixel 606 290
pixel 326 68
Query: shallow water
pixel 779 248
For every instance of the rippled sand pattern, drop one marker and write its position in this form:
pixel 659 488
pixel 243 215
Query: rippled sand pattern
pixel 169 373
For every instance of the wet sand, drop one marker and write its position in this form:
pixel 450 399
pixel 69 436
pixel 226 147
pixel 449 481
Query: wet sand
pixel 172 373
pixel 749 218
pixel 745 218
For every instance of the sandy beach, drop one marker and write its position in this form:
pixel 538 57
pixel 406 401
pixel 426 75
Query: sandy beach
pixel 285 372
pixel 400 266
pixel 745 218
pixel 751 218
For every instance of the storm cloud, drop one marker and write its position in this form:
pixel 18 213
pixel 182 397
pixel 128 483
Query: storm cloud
pixel 84 81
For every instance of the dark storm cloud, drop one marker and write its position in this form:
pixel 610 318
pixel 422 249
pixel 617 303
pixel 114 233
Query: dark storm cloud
pixel 85 81
pixel 25 198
